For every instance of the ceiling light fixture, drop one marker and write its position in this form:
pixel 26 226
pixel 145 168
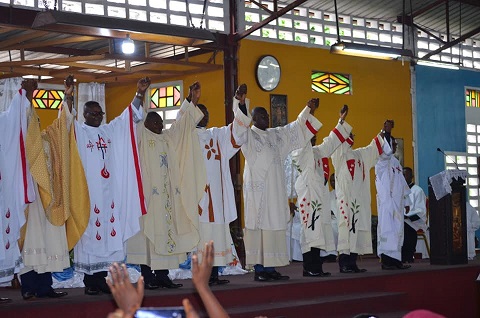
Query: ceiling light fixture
pixel 451 66
pixel 128 46
pixel 365 50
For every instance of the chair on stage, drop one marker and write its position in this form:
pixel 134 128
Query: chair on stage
pixel 422 235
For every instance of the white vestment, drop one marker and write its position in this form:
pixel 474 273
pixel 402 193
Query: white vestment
pixel 264 191
pixel 110 158
pixel 418 207
pixel 313 190
pixel 352 185
pixel 334 215
pixel 392 197
pixel 217 207
pixel 473 223
pixel 167 230
pixel 16 184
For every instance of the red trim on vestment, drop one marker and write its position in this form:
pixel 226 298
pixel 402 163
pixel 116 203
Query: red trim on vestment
pixel 137 164
pixel 349 141
pixel 310 127
pixel 232 139
pixel 339 135
pixel 24 168
pixel 379 146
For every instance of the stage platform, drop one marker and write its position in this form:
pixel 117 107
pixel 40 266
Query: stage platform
pixel 450 290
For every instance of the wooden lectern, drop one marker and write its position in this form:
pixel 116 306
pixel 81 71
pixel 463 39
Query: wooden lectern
pixel 448 222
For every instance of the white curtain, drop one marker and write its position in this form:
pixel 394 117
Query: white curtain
pixel 8 88
pixel 90 92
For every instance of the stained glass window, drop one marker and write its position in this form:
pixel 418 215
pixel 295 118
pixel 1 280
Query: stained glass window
pixel 168 96
pixel 472 98
pixel 47 98
pixel 332 83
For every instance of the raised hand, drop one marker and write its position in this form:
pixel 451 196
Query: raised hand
pixel 29 85
pixel 127 297
pixel 241 93
pixel 343 112
pixel 68 82
pixel 142 85
pixel 201 272
pixel 313 105
pixel 194 93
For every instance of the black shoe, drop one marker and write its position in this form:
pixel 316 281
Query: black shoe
pixel 29 296
pixel 330 258
pixel 169 284
pixel 4 300
pixel 151 286
pixel 346 270
pixel 402 266
pixel 262 277
pixel 277 276
pixel 216 281
pixel 316 274
pixel 388 267
pixel 54 294
pixel 92 291
pixel 358 270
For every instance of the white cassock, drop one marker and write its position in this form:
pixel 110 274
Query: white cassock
pixel 473 223
pixel 217 207
pixel 352 185
pixel 110 158
pixel 16 184
pixel 392 197
pixel 294 225
pixel 168 232
pixel 313 191
pixel 418 207
pixel 334 216
pixel 266 202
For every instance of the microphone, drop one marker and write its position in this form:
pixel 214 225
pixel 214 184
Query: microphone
pixel 447 156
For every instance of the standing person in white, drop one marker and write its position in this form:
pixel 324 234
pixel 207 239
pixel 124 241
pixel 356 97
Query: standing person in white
pixel 392 200
pixel 352 173
pixel 415 218
pixel 110 159
pixel 168 231
pixel 266 201
pixel 16 184
pixel 216 209
pixel 314 197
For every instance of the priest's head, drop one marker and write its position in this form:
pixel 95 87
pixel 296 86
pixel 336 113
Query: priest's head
pixel 206 116
pixel 93 114
pixel 260 118
pixel 154 122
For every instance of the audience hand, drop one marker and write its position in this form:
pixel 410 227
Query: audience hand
pixel 127 297
pixel 201 273
pixel 189 310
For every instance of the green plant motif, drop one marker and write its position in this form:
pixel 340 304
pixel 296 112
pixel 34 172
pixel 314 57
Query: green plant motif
pixel 265 33
pixel 355 208
pixel 282 36
pixel 298 38
pixel 312 28
pixel 317 207
pixel 328 42
pixel 248 17
pixel 282 23
pixel 296 24
pixel 326 30
pixel 312 40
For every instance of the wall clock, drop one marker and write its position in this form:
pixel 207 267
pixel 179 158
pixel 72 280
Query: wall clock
pixel 268 73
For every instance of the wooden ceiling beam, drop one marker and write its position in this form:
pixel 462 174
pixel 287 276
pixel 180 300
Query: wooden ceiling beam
pixel 63 40
pixel 54 60
pixel 14 40
pixel 162 61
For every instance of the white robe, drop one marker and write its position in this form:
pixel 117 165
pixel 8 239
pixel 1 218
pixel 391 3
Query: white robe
pixel 264 191
pixel 392 197
pixel 217 207
pixel 334 215
pixel 473 223
pixel 418 207
pixel 16 184
pixel 110 158
pixel 352 185
pixel 313 190
pixel 167 230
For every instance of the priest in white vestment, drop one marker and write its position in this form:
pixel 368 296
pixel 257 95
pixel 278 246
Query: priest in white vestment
pixel 392 201
pixel 169 230
pixel 265 199
pixel 217 209
pixel 314 197
pixel 473 224
pixel 415 219
pixel 110 158
pixel 16 184
pixel 352 186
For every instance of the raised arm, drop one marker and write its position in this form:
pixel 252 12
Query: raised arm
pixel 142 86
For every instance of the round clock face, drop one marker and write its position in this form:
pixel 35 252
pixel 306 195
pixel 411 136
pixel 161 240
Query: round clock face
pixel 268 73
